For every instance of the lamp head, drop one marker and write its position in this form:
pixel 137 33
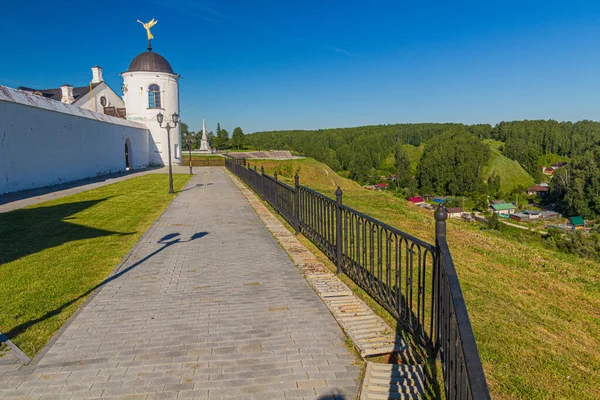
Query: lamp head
pixel 160 118
pixel 175 118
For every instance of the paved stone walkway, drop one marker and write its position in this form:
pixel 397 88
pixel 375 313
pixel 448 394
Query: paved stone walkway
pixel 208 305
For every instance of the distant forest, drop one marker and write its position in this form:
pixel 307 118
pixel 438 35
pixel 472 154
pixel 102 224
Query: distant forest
pixel 455 156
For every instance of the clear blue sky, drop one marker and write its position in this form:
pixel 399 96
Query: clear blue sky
pixel 278 64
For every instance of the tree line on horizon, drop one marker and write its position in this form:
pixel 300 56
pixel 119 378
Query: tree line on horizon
pixel 219 140
pixel 454 156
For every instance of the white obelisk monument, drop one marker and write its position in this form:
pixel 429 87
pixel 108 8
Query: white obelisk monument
pixel 204 147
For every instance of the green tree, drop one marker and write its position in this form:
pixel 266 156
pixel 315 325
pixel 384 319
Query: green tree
pixel 481 202
pixel 360 167
pixel 493 184
pixel 403 172
pixel 224 139
pixel 237 138
pixel 494 222
pixel 185 130
pixel 452 164
pixel 221 139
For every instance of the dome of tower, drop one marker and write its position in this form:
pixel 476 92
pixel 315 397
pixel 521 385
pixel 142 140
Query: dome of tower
pixel 151 62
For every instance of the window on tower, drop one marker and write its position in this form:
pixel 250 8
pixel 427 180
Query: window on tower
pixel 154 96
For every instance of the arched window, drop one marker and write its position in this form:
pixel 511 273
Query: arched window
pixel 154 96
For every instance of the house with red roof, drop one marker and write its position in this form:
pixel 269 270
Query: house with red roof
pixel 416 200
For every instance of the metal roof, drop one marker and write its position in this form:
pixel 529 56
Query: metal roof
pixel 56 93
pixel 503 206
pixel 22 97
pixel 577 221
pixel 151 62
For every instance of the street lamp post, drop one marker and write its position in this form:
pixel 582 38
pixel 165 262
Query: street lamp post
pixel 175 120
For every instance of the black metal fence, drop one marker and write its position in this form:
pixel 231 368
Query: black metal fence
pixel 413 280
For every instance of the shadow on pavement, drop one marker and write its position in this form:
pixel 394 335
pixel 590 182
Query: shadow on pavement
pixel 166 241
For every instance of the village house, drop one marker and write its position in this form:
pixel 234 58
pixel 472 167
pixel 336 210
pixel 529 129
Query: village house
pixel 416 200
pixel 527 215
pixel 467 217
pixel 454 212
pixel 558 165
pixel 503 209
pixel 576 223
pixel 547 170
pixel 531 215
pixel 538 190
pixel 549 215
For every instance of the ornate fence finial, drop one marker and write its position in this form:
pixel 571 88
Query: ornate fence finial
pixel 440 215
pixel 338 192
pixel 275 175
pixel 297 179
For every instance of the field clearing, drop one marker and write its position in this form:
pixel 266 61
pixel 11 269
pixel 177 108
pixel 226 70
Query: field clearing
pixel 414 155
pixel 54 254
pixel 535 312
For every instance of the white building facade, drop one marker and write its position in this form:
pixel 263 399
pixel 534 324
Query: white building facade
pixel 45 142
pixel 151 87
pixel 96 96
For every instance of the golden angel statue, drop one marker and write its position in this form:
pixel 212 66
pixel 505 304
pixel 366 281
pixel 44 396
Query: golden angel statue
pixel 147 27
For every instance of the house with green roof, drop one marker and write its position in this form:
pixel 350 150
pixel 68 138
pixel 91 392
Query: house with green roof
pixel 577 222
pixel 503 208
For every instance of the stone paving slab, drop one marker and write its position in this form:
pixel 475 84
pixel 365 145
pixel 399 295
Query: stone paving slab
pixel 208 305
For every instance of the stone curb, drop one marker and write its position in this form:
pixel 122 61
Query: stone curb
pixel 15 350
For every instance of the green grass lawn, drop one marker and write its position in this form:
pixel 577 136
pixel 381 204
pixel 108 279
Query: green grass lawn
pixel 511 173
pixel 535 311
pixel 185 157
pixel 54 254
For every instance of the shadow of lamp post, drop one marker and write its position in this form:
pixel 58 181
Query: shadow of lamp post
pixel 168 127
pixel 189 139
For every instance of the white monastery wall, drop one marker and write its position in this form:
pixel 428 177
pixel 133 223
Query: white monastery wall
pixel 136 99
pixel 45 142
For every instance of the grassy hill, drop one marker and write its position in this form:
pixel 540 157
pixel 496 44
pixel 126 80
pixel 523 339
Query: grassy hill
pixel 534 311
pixel 510 171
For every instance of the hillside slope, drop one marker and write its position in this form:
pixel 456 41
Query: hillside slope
pixel 511 173
pixel 534 311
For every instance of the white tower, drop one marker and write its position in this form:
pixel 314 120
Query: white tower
pixel 150 87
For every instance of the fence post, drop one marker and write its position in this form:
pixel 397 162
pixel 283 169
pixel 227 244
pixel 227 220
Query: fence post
pixel 338 230
pixel 297 202
pixel 440 215
pixel 276 194
pixel 262 182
